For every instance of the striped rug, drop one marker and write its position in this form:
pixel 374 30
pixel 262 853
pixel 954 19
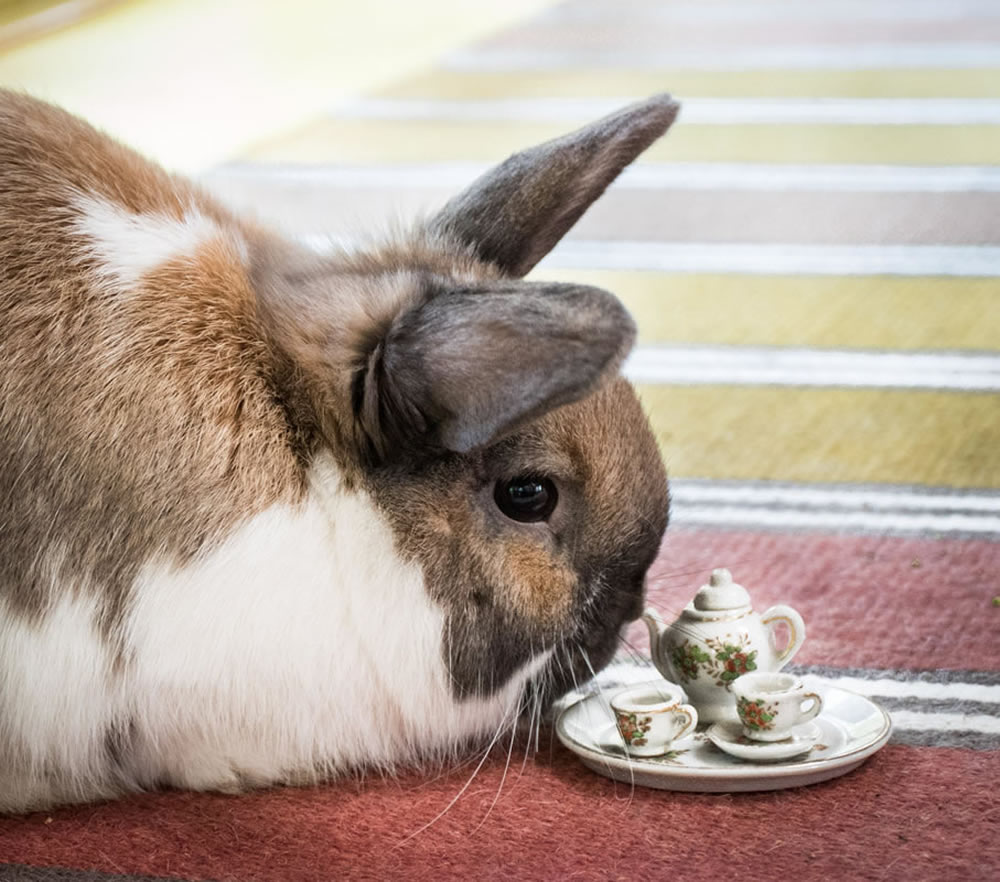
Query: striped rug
pixel 813 258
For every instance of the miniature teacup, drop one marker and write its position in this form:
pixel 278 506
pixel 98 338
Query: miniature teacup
pixel 650 717
pixel 770 704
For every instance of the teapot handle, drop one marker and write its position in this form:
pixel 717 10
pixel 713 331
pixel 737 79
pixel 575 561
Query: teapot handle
pixel 796 627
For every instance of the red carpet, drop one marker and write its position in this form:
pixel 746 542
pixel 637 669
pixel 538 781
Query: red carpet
pixel 894 818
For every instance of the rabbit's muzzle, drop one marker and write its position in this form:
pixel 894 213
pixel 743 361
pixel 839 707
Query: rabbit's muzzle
pixel 488 648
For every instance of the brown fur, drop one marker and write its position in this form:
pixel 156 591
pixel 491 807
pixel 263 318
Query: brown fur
pixel 135 427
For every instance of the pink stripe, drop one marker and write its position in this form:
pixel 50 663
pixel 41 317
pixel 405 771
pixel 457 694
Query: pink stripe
pixel 693 216
pixel 867 601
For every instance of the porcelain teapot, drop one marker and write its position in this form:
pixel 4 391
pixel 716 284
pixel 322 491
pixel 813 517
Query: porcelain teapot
pixel 717 638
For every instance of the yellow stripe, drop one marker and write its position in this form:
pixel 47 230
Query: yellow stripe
pixel 793 434
pixel 850 311
pixel 144 71
pixel 370 141
pixel 920 83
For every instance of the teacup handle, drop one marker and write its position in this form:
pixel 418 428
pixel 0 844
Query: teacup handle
pixel 796 628
pixel 688 711
pixel 814 708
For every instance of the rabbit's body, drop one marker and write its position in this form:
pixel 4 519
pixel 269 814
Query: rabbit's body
pixel 229 683
pixel 249 524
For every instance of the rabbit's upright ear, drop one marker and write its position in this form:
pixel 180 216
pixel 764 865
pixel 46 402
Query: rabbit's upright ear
pixel 468 366
pixel 514 215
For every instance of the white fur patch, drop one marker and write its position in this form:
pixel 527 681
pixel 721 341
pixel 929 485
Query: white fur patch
pixel 130 245
pixel 56 697
pixel 303 643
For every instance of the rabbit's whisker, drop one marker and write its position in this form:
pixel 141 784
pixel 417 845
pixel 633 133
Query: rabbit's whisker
pixel 607 704
pixel 533 691
pixel 637 656
pixel 503 778
pixel 486 753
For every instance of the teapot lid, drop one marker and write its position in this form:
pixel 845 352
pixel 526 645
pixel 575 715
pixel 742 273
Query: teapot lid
pixel 721 593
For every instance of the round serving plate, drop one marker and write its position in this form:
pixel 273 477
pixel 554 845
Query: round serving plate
pixel 851 729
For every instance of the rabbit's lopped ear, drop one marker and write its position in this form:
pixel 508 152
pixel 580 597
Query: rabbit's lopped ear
pixel 515 214
pixel 468 366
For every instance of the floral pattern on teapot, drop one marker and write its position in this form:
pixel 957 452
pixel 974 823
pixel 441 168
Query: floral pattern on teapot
pixel 727 659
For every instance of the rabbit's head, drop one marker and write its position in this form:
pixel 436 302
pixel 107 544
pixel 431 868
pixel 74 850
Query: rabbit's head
pixel 485 415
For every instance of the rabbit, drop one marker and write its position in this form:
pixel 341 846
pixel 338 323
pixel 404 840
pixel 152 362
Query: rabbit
pixel 269 515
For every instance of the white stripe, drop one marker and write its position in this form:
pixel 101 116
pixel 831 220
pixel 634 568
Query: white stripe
pixel 703 111
pixel 629 672
pixel 768 176
pixel 836 507
pixel 916 721
pixel 898 522
pixel 650 176
pixel 813 11
pixel 779 258
pixel 747 365
pixel 865 56
pixel 751 258
pixel 431 175
pixel 887 688
pixel 835 497
pixel 798 359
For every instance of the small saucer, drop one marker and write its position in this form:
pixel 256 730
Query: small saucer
pixel 729 737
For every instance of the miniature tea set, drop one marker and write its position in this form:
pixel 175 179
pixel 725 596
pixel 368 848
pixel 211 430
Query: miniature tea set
pixel 724 718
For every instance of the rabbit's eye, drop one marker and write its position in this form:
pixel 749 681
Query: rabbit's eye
pixel 526 499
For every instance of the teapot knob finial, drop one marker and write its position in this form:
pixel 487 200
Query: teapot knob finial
pixel 720 576
pixel 721 593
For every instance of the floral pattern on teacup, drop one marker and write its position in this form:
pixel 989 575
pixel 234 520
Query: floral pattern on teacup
pixel 633 728
pixel 727 659
pixel 756 715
